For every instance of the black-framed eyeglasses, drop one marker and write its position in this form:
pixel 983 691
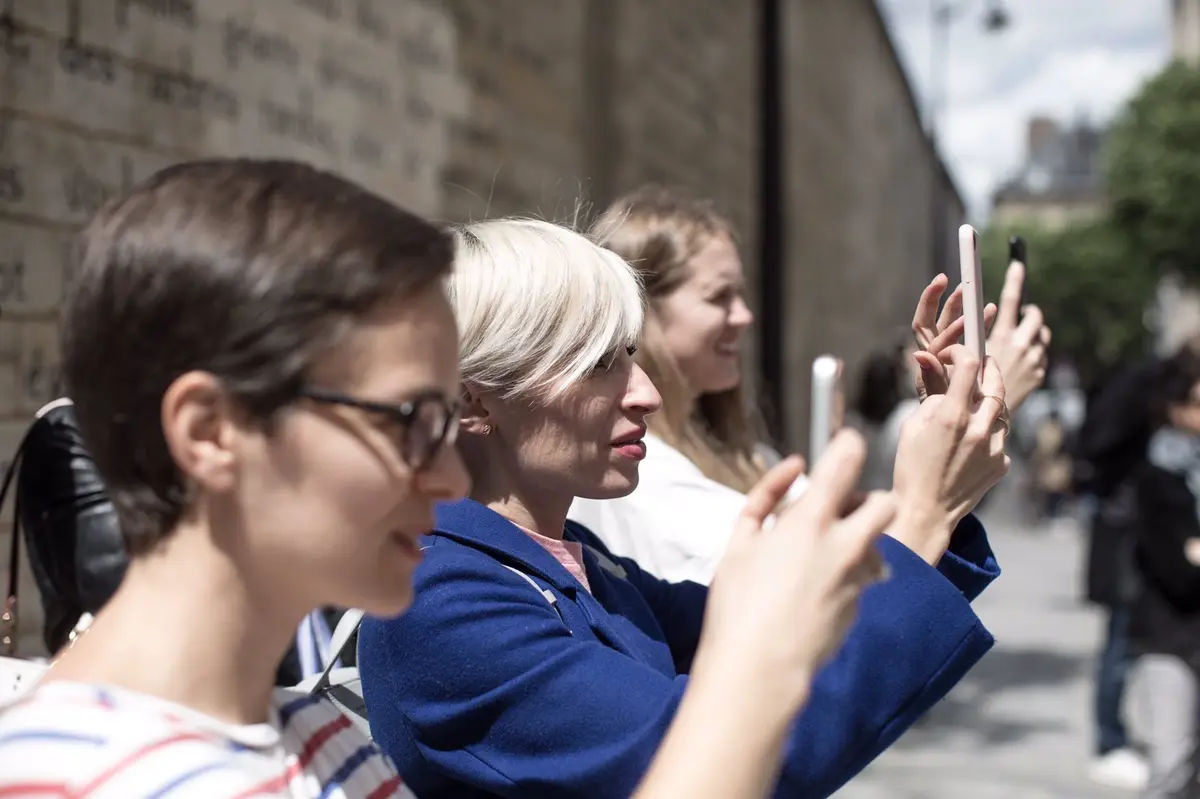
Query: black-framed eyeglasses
pixel 429 421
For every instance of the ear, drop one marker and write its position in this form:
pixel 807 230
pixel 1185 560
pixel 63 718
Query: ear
pixel 199 424
pixel 475 417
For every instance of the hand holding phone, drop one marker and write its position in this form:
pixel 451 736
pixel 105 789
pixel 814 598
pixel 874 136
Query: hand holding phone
pixel 828 405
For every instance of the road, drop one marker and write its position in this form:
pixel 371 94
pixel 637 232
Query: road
pixel 1019 725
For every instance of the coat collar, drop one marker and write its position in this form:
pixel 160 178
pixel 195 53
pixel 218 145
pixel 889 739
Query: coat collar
pixel 479 527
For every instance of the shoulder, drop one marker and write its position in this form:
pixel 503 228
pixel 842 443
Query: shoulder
pixel 74 737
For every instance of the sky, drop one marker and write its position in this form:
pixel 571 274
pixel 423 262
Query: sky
pixel 1058 58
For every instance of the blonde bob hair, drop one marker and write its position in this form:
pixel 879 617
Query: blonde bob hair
pixel 538 306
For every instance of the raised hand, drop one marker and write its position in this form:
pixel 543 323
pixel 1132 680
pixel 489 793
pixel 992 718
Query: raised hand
pixel 1018 340
pixel 950 453
pixel 935 332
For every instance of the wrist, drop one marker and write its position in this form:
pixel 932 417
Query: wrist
pixel 926 532
pixel 739 685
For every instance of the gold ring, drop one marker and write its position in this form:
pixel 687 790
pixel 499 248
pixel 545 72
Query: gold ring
pixel 1003 418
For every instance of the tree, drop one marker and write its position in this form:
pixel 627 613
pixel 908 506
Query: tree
pixel 1154 172
pixel 1093 294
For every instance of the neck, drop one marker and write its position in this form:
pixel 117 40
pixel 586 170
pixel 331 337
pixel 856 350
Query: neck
pixel 187 627
pixel 548 518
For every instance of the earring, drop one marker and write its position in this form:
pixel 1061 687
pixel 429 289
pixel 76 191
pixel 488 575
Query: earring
pixel 487 430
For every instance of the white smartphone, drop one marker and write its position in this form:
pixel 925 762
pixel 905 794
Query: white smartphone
pixel 828 405
pixel 975 336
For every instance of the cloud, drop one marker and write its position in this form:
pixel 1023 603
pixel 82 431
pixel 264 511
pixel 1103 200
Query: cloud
pixel 1064 59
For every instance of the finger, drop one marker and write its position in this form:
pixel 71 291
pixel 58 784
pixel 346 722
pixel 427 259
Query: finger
pixel 1010 297
pixel 925 317
pixel 836 475
pixel 1045 335
pixel 992 381
pixel 933 379
pixel 767 493
pixel 1030 327
pixel 952 309
pixel 866 524
pixel 964 378
pixel 955 330
pixel 989 318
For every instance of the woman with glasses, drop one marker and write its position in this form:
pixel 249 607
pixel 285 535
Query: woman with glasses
pixel 536 662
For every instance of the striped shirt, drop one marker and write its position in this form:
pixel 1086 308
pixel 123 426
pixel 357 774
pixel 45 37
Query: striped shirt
pixel 91 742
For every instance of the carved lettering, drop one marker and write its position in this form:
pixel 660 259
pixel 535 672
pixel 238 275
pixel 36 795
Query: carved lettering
pixel 297 124
pixel 370 22
pixel 12 186
pixel 366 150
pixel 12 281
pixel 87 62
pixel 240 40
pixel 417 51
pixel 38 375
pixel 329 9
pixel 334 75
pixel 84 193
pixel 185 92
pixel 14 41
pixel 180 12
pixel 418 109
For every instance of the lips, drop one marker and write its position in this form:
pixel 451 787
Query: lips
pixel 632 437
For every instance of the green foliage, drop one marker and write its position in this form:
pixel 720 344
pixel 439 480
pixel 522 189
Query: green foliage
pixel 1154 172
pixel 1093 294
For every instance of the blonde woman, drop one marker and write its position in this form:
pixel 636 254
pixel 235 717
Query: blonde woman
pixel 534 661
pixel 705 446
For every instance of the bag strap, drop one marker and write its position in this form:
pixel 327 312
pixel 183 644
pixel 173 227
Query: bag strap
pixel 346 628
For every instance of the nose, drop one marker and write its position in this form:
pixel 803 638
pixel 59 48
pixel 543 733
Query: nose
pixel 740 314
pixel 445 478
pixel 641 396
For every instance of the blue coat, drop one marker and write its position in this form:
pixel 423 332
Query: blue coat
pixel 486 688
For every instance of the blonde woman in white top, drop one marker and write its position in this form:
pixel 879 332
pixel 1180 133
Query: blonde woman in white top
pixel 705 449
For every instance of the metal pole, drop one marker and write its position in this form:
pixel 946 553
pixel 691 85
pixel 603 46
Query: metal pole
pixel 939 46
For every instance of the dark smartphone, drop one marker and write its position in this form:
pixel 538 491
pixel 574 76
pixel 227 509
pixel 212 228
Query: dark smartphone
pixel 1016 249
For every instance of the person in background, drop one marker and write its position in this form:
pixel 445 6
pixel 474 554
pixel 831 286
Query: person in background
pixel 881 387
pixel 705 445
pixel 1165 623
pixel 1110 449
pixel 534 660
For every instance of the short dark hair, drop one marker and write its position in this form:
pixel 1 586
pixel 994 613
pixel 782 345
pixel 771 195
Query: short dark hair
pixel 248 269
pixel 1173 384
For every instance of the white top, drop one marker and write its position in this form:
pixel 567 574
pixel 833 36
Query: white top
pixel 94 742
pixel 677 522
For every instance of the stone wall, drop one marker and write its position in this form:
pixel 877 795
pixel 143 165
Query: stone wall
pixel 460 109
pixel 859 179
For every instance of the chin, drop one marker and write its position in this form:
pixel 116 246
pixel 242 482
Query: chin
pixel 614 486
pixel 387 603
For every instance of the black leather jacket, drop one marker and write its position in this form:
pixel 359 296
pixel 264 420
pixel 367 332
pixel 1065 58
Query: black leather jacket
pixel 69 523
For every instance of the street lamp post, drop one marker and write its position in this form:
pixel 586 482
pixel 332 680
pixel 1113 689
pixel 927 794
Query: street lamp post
pixel 945 12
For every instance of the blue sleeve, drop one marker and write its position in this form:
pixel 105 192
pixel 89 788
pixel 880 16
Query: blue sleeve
pixel 915 638
pixel 969 563
pixel 481 684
